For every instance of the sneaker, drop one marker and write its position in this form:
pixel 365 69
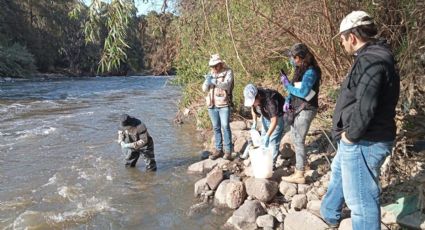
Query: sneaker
pixel 216 154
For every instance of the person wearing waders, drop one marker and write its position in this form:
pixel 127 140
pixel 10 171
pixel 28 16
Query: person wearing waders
pixel 135 140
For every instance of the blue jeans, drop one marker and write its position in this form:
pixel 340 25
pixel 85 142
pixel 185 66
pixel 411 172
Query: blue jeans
pixel 275 137
pixel 220 119
pixel 355 180
pixel 299 131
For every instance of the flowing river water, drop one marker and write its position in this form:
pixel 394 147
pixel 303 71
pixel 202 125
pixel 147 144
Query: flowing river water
pixel 61 168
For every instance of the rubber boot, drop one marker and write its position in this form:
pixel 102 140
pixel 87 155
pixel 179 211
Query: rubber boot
pixel 297 177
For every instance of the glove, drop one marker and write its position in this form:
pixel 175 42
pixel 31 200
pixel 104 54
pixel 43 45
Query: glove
pixel 286 107
pixel 284 79
pixel 208 79
pixel 254 125
pixel 120 136
pixel 266 140
pixel 214 81
pixel 126 145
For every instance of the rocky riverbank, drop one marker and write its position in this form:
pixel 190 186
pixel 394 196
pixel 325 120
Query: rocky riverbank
pixel 230 189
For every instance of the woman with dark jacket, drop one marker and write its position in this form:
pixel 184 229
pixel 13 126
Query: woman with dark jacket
pixel 302 99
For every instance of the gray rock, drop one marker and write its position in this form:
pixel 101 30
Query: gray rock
pixel 303 188
pixel 415 220
pixel 314 206
pixel 273 210
pixel 214 178
pixel 236 194
pixel 247 162
pixel 312 195
pixel 230 194
pixel 303 220
pixel 206 165
pixel 201 186
pixel 221 193
pixel 265 221
pixel 209 193
pixel 248 171
pixel 246 215
pixel 233 177
pixel 197 209
pixel 321 191
pixel 288 189
pixel 238 125
pixel 205 154
pixel 299 201
pixel 239 224
pixel 280 217
pixel 261 189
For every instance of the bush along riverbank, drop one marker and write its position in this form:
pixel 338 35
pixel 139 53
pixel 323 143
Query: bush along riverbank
pixel 229 188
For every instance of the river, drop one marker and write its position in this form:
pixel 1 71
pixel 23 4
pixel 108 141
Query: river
pixel 61 168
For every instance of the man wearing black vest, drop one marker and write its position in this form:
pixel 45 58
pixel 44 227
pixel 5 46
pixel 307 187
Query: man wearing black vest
pixel 363 125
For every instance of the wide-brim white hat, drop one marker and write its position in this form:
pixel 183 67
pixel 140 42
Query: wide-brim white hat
pixel 214 60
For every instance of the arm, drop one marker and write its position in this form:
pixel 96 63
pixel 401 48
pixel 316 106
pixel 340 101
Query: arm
pixel 273 123
pixel 367 95
pixel 205 86
pixel 228 79
pixel 254 115
pixel 142 133
pixel 307 84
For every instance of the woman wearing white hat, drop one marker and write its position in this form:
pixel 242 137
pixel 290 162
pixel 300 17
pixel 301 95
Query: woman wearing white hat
pixel 219 85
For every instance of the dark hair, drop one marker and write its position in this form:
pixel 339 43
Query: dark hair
pixel 308 60
pixel 363 32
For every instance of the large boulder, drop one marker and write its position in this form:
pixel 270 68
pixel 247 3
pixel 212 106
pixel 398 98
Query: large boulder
pixel 261 189
pixel 240 140
pixel 214 178
pixel 246 215
pixel 303 220
pixel 201 186
pixel 221 193
pixel 230 193
pixel 236 194
pixel 206 165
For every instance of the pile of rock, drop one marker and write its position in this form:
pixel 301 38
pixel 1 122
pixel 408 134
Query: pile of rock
pixel 264 203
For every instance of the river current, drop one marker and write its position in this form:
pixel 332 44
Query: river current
pixel 61 167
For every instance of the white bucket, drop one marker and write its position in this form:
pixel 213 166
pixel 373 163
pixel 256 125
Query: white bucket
pixel 261 162
pixel 255 137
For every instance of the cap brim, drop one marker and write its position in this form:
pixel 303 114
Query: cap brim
pixel 249 102
pixel 336 35
pixel 211 64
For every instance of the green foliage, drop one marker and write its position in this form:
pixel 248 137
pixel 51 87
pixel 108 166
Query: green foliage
pixel 15 61
pixel 202 118
pixel 251 36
